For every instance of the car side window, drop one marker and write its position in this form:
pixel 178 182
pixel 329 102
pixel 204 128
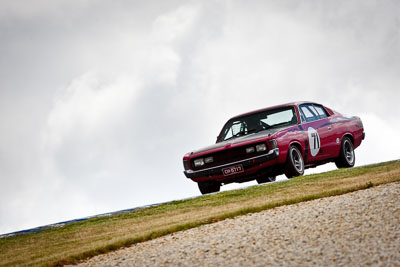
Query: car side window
pixel 309 113
pixel 321 111
pixel 303 119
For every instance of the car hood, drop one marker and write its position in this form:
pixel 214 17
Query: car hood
pixel 240 139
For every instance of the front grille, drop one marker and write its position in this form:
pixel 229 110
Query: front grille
pixel 228 155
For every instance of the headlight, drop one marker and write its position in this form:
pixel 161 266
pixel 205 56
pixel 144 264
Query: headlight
pixel 250 149
pixel 208 160
pixel 273 143
pixel 185 165
pixel 261 147
pixel 198 162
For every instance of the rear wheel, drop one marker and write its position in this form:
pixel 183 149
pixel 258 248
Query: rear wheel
pixel 265 179
pixel 346 158
pixel 208 187
pixel 294 163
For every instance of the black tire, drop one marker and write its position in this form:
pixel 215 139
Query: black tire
pixel 347 157
pixel 265 179
pixel 294 163
pixel 208 187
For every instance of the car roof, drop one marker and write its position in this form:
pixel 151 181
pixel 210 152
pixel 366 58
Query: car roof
pixel 274 107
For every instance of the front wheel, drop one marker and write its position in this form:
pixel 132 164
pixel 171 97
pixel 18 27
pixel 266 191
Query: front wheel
pixel 346 158
pixel 294 163
pixel 208 187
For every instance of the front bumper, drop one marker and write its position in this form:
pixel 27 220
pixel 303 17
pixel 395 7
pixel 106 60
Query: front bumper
pixel 247 163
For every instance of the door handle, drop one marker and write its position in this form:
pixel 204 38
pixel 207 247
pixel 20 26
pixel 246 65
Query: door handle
pixel 329 128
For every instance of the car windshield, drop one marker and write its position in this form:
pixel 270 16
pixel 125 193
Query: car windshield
pixel 257 122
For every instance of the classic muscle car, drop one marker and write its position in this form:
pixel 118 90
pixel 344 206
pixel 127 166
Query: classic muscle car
pixel 284 139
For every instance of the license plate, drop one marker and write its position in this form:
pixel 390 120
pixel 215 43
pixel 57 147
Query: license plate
pixel 233 170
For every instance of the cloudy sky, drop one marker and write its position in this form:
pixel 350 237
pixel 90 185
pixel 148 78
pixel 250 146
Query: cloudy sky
pixel 99 100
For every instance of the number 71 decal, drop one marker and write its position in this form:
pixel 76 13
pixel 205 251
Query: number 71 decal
pixel 314 141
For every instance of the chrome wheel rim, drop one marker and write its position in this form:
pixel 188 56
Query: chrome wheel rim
pixel 297 160
pixel 348 151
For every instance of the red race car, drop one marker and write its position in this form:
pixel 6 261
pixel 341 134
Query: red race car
pixel 284 139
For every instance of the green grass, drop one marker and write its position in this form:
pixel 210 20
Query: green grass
pixel 95 236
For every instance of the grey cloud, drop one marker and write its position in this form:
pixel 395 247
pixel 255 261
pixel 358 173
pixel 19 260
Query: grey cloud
pixel 100 100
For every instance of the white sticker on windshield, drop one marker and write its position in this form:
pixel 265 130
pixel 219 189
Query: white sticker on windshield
pixel 315 142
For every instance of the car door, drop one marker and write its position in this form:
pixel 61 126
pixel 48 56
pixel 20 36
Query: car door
pixel 328 131
pixel 316 124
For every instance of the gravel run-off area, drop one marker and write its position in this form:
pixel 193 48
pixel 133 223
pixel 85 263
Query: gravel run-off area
pixel 355 229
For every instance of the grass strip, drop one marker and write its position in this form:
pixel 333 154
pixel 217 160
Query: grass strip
pixel 81 240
